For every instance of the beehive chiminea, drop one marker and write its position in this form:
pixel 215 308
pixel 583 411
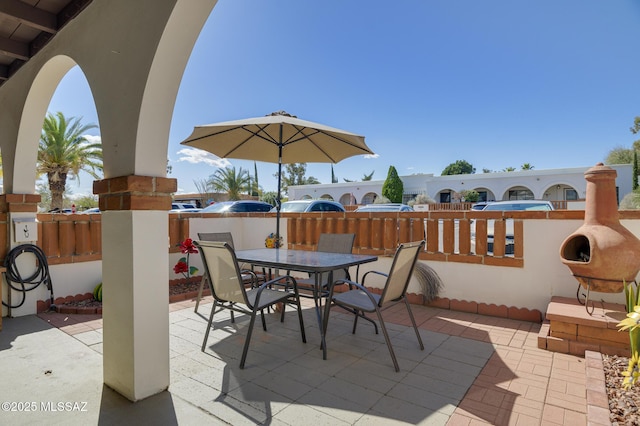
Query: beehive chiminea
pixel 602 254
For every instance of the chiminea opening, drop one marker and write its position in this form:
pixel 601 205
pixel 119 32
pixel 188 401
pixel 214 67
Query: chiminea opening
pixel 577 249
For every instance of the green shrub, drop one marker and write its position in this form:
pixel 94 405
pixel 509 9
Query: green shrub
pixel 393 188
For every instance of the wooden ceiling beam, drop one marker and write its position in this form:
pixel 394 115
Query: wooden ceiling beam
pixel 30 16
pixel 14 49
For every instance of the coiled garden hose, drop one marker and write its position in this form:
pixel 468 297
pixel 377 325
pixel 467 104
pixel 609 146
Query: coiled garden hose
pixel 21 284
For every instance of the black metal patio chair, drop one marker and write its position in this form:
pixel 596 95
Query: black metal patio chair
pixel 359 300
pixel 229 291
pixel 249 277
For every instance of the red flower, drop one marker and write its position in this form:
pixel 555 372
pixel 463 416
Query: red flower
pixel 187 246
pixel 181 268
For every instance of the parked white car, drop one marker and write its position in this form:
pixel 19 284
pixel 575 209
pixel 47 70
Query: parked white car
pixel 180 206
pixel 385 207
pixel 511 205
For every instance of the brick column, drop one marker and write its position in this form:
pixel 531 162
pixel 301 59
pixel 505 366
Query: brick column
pixel 135 193
pixel 135 276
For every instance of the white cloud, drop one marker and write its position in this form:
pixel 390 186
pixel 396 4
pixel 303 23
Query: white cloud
pixel 195 156
pixel 93 138
pixel 371 156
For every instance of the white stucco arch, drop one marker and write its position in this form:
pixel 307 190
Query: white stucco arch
pixel 347 199
pixel 133 55
pixel 18 177
pixel 490 195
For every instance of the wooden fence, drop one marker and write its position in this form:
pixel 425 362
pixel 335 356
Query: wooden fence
pixel 78 237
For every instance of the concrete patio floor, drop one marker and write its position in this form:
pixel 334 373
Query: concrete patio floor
pixel 474 370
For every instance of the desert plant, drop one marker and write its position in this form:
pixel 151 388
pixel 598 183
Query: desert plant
pixel 430 281
pixel 421 199
pixel 632 323
pixel 469 195
pixel 631 201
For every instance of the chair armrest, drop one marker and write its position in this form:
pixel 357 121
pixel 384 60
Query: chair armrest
pixel 354 284
pixel 364 277
pixel 290 282
pixel 286 281
pixel 254 277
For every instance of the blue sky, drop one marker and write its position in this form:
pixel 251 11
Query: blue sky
pixel 497 83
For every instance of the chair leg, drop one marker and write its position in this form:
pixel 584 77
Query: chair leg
pixel 264 324
pixel 248 339
pixel 387 340
pixel 206 334
pixel 413 321
pixel 363 316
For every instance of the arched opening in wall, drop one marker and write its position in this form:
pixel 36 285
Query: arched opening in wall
pixel 72 103
pixel 369 198
pixel 560 192
pixel 326 197
pixel 348 200
pixel 445 196
pixel 485 194
pixel 306 197
pixel 58 134
pixel 519 193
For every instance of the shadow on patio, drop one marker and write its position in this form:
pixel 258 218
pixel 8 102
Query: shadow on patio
pixel 285 381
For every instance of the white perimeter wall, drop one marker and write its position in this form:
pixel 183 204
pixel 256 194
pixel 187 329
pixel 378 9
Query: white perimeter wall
pixel 532 286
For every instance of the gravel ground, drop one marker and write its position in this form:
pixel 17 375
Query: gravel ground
pixel 173 289
pixel 624 405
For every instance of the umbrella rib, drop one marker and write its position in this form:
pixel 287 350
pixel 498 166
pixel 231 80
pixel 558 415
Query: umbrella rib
pixel 259 134
pixel 300 130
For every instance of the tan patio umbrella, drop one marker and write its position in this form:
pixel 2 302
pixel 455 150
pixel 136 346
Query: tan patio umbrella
pixel 277 138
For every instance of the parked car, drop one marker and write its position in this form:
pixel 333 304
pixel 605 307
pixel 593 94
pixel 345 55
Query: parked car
pixel 187 210
pixel 511 205
pixel 180 206
pixel 240 206
pixel 304 206
pixel 385 207
pixel 480 205
pixel 92 210
pixel 519 205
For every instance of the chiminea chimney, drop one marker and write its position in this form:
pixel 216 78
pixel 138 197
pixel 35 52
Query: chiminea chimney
pixel 602 253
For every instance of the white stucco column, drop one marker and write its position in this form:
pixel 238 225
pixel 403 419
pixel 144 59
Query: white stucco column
pixel 135 304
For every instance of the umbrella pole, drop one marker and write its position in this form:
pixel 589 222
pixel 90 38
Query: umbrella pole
pixel 278 203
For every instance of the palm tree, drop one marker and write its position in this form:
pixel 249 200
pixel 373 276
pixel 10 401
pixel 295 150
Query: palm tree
pixel 527 166
pixel 64 151
pixel 232 182
pixel 368 177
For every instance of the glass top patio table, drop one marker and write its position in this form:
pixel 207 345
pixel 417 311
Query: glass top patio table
pixel 313 262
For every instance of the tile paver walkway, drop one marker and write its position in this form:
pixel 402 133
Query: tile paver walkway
pixel 474 370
